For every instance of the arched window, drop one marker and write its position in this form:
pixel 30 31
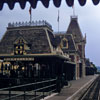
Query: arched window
pixel 64 43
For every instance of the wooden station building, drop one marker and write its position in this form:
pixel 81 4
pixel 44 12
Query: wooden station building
pixel 32 50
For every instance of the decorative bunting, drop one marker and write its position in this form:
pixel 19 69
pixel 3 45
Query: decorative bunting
pixel 33 3
pixel 95 2
pixel 45 3
pixel 22 3
pixel 57 3
pixel 11 4
pixel 70 3
pixel 1 4
pixel 82 2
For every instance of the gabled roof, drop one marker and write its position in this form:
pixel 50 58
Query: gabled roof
pixel 71 44
pixel 74 29
pixel 33 3
pixel 20 37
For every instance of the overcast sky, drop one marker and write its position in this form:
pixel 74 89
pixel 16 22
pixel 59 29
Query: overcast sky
pixel 88 19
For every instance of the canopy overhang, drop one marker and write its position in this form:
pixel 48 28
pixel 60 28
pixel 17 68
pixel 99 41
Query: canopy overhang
pixel 33 3
pixel 31 57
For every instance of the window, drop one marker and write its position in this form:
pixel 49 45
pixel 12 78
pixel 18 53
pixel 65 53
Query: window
pixel 19 47
pixel 64 43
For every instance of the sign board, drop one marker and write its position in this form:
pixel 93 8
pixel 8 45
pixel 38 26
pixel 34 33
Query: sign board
pixel 19 59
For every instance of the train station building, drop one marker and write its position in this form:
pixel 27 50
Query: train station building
pixel 32 50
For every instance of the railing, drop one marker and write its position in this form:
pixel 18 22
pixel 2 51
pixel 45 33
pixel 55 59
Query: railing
pixel 32 91
pixel 33 23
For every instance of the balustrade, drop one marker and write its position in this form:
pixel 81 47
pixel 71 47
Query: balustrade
pixel 33 23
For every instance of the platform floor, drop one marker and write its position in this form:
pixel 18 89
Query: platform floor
pixel 74 87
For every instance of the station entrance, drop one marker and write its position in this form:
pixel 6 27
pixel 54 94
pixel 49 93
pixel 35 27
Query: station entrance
pixel 26 69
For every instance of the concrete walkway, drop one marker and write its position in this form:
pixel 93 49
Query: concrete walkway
pixel 75 86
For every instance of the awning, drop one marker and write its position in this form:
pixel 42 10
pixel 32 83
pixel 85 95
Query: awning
pixel 31 57
pixel 45 3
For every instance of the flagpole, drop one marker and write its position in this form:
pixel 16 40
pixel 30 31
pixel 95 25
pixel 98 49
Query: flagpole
pixel 73 10
pixel 30 12
pixel 31 17
pixel 58 21
pixel 58 27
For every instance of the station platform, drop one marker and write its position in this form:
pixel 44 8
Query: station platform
pixel 74 87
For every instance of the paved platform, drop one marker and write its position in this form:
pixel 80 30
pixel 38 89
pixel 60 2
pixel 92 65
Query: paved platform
pixel 72 89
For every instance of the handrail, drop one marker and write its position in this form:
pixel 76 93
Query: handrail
pixel 26 85
pixel 44 86
pixel 13 96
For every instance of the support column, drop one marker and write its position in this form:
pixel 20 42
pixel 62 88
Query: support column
pixel 83 69
pixel 74 72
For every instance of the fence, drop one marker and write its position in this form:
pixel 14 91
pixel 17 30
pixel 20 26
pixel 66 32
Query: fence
pixel 31 91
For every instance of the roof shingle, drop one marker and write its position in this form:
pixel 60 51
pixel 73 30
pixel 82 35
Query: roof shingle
pixel 74 29
pixel 35 37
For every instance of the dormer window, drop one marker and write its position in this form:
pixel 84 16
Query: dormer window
pixel 64 43
pixel 20 46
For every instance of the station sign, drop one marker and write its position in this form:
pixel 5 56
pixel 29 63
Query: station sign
pixel 19 59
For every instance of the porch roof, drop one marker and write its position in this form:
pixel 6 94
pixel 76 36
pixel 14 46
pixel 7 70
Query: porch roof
pixel 30 57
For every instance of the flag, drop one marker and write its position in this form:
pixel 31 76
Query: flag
pixel 30 10
pixel 58 16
